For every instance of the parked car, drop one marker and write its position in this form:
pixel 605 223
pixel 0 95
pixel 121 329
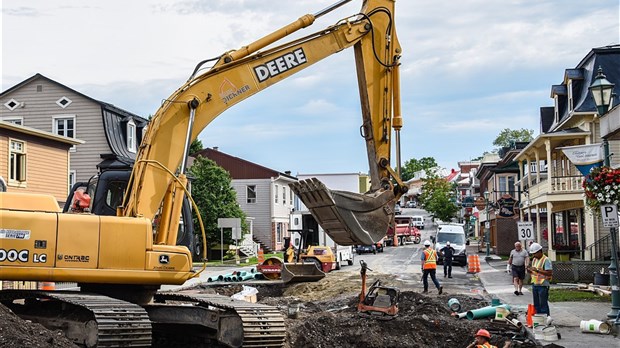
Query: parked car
pixel 412 204
pixel 361 249
pixel 397 209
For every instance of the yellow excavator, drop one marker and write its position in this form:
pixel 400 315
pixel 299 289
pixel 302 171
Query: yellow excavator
pixel 120 262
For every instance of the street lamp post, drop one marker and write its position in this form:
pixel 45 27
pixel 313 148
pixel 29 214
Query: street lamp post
pixel 601 90
pixel 487 226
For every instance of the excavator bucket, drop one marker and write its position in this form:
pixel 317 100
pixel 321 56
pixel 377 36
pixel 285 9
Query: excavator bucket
pixel 301 272
pixel 275 268
pixel 348 218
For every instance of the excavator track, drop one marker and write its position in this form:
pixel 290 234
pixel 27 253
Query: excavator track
pixel 261 325
pixel 348 218
pixel 90 320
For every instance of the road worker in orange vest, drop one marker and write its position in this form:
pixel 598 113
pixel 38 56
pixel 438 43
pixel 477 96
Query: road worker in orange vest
pixel 482 340
pixel 429 266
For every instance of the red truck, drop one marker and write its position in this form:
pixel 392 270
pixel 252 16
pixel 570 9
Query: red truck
pixel 406 232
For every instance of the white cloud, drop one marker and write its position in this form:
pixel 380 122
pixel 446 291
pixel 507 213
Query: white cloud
pixel 469 68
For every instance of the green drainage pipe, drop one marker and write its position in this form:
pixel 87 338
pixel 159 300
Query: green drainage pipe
pixel 484 312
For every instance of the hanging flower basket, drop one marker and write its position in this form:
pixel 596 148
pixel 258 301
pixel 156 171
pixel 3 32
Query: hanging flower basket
pixel 602 187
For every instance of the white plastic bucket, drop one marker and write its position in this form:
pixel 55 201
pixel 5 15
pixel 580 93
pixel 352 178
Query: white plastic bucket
pixel 539 320
pixel 550 333
pixel 501 313
pixel 595 326
pixel 538 332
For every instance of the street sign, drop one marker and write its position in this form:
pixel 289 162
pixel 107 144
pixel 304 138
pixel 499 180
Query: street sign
pixel 526 230
pixel 610 215
pixel 487 224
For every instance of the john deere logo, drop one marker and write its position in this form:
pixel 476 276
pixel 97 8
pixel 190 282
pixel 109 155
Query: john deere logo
pixel 164 259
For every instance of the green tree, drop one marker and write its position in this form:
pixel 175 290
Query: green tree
pixel 415 165
pixel 508 136
pixel 195 146
pixel 213 193
pixel 438 197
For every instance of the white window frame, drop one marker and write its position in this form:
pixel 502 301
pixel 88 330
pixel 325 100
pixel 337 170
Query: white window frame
pixel 65 117
pixel 277 190
pixel 13 101
pixel 69 101
pixel 72 179
pixel 248 189
pixel 283 195
pixel 556 108
pixel 569 87
pixel 13 119
pixel 15 179
pixel 131 136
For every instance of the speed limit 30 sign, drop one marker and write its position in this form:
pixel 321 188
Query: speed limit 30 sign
pixel 526 230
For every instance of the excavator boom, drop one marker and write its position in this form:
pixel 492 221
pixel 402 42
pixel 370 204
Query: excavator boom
pixel 119 262
pixel 237 75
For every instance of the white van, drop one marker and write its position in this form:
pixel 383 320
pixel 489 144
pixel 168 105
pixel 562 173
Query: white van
pixel 418 221
pixel 455 234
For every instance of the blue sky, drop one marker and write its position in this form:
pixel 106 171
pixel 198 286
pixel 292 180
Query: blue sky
pixel 469 69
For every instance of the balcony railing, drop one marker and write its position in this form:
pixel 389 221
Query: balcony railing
pixel 559 184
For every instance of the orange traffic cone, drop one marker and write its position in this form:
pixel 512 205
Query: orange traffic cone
pixel 530 315
pixel 261 256
pixel 47 286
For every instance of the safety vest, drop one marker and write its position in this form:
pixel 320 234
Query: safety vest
pixel 539 278
pixel 486 345
pixel 430 259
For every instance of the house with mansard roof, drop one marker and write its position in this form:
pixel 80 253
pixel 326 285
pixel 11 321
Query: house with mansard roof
pixel 109 133
pixel 549 181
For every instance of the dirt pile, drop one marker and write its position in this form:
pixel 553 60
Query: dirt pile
pixel 16 332
pixel 327 317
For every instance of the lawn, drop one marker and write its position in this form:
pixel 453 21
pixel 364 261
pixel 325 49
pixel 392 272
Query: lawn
pixel 243 262
pixel 565 295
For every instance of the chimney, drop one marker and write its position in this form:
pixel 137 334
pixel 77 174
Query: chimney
pixel 215 148
pixel 288 172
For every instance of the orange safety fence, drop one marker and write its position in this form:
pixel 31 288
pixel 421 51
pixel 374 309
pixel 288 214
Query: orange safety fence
pixel 473 262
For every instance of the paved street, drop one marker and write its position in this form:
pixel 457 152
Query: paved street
pixel 491 282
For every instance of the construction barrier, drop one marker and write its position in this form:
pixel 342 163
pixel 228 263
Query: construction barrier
pixel 473 262
pixel 261 256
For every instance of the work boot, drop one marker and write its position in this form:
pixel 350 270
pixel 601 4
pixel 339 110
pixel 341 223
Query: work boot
pixel 449 276
pixel 425 291
pixel 440 289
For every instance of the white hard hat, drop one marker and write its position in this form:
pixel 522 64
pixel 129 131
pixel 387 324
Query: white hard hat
pixel 535 247
pixel 427 242
pixel 448 243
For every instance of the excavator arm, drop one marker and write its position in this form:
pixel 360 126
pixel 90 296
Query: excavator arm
pixel 350 218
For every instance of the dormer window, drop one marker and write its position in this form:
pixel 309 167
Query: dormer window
pixel 569 87
pixel 556 108
pixel 131 136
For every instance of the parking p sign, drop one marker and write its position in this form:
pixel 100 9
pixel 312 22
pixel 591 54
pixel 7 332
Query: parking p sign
pixel 610 215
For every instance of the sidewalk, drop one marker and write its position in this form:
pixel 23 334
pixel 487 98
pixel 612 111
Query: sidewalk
pixel 567 316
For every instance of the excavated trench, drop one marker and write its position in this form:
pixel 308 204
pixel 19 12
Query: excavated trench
pixel 327 317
